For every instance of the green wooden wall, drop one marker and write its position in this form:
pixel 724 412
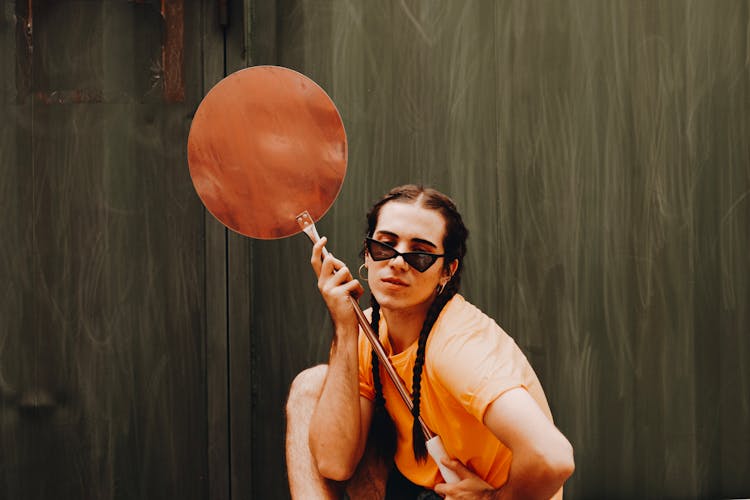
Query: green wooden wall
pixel 599 153
pixel 106 366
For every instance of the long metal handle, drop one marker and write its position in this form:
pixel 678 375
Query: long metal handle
pixel 308 226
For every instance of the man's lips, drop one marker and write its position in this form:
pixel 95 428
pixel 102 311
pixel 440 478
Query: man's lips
pixel 394 281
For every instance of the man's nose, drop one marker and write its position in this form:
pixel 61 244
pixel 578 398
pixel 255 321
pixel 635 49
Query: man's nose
pixel 398 261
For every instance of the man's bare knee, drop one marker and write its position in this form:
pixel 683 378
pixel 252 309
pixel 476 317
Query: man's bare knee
pixel 306 386
pixel 305 480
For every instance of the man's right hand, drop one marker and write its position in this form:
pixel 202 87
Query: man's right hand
pixel 336 285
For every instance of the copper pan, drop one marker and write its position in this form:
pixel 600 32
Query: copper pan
pixel 266 144
pixel 267 154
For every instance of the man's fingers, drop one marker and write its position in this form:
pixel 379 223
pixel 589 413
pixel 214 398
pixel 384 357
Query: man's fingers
pixel 354 288
pixel 442 489
pixel 316 258
pixel 332 272
pixel 341 273
pixel 331 268
pixel 457 467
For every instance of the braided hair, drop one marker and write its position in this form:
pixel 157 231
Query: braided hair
pixel 382 430
pixel 454 244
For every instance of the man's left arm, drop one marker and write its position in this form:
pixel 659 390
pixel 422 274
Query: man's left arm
pixel 542 456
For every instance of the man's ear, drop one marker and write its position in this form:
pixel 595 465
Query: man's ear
pixel 452 268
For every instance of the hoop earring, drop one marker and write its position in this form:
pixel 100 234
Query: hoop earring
pixel 359 272
pixel 440 288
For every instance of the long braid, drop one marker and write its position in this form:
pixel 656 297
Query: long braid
pixel 418 441
pixel 382 432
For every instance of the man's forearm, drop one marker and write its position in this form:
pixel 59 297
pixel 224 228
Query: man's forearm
pixel 335 426
pixel 532 479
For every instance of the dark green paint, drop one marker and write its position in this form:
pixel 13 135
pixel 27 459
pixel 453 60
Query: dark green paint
pixel 598 151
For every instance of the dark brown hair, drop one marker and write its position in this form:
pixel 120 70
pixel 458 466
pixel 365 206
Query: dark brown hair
pixel 454 245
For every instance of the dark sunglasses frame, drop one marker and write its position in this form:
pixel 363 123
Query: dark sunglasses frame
pixel 421 261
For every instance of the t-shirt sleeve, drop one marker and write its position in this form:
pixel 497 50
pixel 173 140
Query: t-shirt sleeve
pixel 366 383
pixel 477 365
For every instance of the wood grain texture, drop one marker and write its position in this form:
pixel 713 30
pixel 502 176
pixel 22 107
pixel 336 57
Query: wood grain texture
pixel 102 338
pixel 216 291
pixel 241 355
pixel 599 154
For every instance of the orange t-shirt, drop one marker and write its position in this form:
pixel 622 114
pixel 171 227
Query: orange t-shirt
pixel 470 362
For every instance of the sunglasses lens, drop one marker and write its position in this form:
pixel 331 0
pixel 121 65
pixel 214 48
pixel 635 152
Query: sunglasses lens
pixel 420 262
pixel 380 251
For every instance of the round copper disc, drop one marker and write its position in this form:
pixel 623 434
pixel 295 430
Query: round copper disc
pixel 266 144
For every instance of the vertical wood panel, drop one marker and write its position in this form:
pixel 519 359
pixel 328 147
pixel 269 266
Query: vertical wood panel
pixel 15 295
pixel 598 151
pixel 104 342
pixel 240 333
pixel 216 298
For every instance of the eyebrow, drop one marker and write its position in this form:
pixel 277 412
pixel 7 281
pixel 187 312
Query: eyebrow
pixel 413 240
